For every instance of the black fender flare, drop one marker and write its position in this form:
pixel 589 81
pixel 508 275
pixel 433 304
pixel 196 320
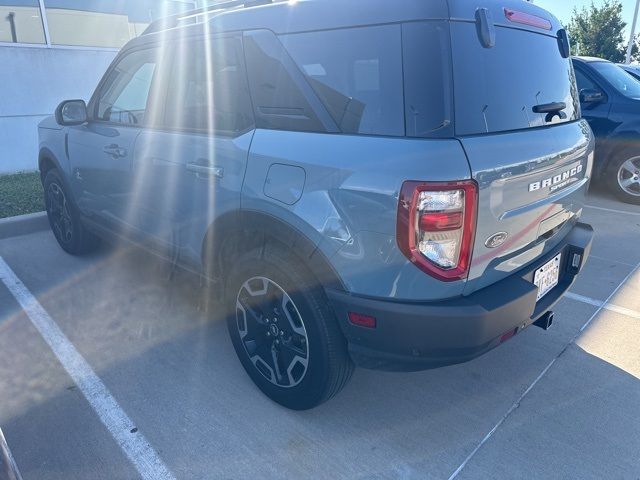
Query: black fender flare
pixel 246 229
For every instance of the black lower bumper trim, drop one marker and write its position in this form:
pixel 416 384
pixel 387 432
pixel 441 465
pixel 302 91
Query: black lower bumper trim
pixel 413 336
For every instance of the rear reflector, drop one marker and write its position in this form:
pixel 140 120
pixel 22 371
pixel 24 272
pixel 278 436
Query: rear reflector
pixel 508 335
pixel 360 320
pixel 527 19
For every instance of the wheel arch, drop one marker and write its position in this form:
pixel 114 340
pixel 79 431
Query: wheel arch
pixel 47 161
pixel 252 229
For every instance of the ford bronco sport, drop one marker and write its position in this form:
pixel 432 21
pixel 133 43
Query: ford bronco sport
pixel 396 185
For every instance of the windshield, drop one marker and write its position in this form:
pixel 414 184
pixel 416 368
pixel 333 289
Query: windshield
pixel 619 79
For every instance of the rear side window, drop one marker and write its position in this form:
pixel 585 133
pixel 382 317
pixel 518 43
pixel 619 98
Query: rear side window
pixel 207 89
pixel 497 88
pixel 357 73
pixel 427 79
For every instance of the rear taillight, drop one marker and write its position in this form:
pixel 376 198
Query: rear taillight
pixel 436 226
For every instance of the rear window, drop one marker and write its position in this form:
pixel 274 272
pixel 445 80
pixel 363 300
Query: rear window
pixel 497 88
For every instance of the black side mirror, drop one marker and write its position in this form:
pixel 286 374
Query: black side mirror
pixel 72 112
pixel 590 95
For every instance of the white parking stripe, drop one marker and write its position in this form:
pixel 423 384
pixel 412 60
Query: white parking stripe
pixel 612 210
pixel 7 462
pixel 539 377
pixel 134 445
pixel 607 306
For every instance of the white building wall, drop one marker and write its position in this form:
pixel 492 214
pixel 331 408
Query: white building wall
pixel 33 81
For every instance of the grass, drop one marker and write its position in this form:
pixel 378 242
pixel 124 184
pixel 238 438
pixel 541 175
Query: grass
pixel 20 194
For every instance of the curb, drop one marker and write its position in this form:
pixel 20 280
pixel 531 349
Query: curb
pixel 23 224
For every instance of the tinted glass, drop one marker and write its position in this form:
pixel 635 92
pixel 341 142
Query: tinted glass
pixel 208 89
pixel 497 88
pixel 618 78
pixel 358 75
pixel 282 99
pixel 125 96
pixel 584 82
pixel 427 79
pixel 20 22
pixel 105 23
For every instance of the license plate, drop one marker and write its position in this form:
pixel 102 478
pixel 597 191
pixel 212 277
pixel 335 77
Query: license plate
pixel 547 276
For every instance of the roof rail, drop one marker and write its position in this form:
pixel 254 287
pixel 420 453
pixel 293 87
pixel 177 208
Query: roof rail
pixel 173 21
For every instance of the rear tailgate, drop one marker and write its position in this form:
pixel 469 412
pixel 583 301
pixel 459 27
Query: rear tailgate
pixel 532 168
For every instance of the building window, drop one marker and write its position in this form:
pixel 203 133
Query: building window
pixel 21 22
pixel 105 23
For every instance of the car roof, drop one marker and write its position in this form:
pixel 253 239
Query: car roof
pixel 295 16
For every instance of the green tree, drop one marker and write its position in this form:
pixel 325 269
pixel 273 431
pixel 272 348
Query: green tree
pixel 598 31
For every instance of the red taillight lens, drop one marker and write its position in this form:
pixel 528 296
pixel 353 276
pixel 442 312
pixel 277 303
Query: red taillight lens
pixel 436 226
pixel 442 222
pixel 527 19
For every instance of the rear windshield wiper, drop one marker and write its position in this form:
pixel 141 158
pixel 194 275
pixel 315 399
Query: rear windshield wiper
pixel 551 109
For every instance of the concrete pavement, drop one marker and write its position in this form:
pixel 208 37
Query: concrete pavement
pixel 540 406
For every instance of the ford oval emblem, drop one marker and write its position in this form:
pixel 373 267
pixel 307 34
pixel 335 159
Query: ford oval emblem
pixel 496 239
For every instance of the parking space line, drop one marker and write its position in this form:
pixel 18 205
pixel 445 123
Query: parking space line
pixel 613 210
pixel 131 440
pixel 611 260
pixel 607 306
pixel 7 462
pixel 515 406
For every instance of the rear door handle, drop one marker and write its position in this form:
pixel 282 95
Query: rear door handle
pixel 206 169
pixel 115 151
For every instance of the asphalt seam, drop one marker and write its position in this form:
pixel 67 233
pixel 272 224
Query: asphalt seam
pixel 132 442
pixel 515 406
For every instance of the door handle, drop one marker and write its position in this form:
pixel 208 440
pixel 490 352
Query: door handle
pixel 115 151
pixel 209 170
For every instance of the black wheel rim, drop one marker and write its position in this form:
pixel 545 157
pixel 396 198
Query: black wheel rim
pixel 629 176
pixel 58 211
pixel 272 332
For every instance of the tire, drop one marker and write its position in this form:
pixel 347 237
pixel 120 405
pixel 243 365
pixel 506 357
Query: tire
pixel 280 316
pixel 623 176
pixel 64 218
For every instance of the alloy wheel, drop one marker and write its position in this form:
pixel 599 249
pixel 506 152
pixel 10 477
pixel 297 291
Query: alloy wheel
pixel 58 211
pixel 629 176
pixel 272 332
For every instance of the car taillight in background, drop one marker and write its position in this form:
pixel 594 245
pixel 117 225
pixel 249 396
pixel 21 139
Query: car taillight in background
pixel 436 226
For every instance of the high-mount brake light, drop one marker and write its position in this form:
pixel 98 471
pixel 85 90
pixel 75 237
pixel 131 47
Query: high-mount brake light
pixel 436 226
pixel 527 19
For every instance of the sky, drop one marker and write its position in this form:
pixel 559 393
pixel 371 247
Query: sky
pixel 563 8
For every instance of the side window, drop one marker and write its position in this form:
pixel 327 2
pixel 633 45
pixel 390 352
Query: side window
pixel 584 82
pixel 358 75
pixel 207 88
pixel 125 97
pixel 282 98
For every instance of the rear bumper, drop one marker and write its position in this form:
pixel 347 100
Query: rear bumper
pixel 418 336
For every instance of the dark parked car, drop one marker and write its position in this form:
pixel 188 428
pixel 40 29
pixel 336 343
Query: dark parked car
pixel 610 101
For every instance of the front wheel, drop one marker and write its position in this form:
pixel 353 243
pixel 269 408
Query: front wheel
pixel 64 218
pixel 285 335
pixel 624 177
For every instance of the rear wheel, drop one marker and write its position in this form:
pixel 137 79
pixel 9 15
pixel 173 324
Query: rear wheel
pixel 64 218
pixel 624 177
pixel 283 331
